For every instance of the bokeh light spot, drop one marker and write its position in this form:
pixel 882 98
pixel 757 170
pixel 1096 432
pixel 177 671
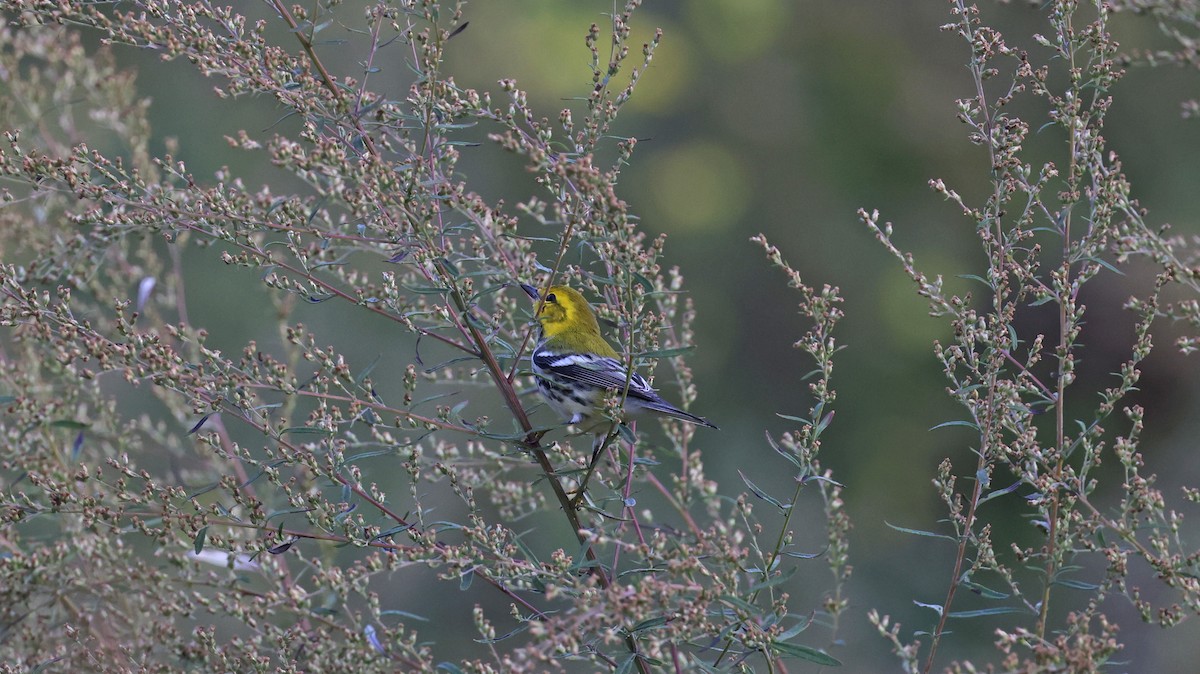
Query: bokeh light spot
pixel 738 31
pixel 699 186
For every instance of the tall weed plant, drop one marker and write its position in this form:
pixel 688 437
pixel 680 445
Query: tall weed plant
pixel 290 505
pixel 297 504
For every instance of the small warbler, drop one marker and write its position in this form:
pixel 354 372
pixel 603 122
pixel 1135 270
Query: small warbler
pixel 575 366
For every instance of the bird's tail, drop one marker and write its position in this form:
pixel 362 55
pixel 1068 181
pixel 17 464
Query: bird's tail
pixel 670 411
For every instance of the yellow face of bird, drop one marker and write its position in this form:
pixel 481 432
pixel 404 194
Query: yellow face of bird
pixel 564 308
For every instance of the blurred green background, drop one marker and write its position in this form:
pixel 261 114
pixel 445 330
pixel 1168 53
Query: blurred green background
pixel 785 117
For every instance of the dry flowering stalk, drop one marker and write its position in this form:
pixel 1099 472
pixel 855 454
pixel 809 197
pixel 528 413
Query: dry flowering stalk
pixel 284 504
pixel 1047 230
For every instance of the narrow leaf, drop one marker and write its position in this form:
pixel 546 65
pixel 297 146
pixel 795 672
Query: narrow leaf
pixel 807 653
pixel 282 547
pixel 1075 584
pixel 502 637
pixel 77 446
pixel 968 424
pixel 198 423
pixel 1000 492
pixel 935 607
pixel 805 555
pixel 978 613
pixel 985 592
pixel 741 603
pixel 200 536
pixel 762 494
pixel 918 532
pixel 651 623
pixel 306 430
pixel 667 353
pixel 403 614
pixel 771 582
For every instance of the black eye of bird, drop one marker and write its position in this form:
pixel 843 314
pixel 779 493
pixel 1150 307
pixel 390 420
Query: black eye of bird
pixel 551 298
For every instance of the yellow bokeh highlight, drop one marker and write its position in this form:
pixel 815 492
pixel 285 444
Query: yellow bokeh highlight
pixel 698 186
pixel 740 30
pixel 554 65
pixel 671 70
pixel 904 315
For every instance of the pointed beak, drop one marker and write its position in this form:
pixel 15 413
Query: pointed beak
pixel 531 291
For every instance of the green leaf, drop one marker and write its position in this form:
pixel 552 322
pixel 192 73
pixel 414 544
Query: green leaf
pixel 199 424
pixel 772 582
pixel 431 398
pixel 366 455
pixel 935 607
pixel 486 291
pixel 282 547
pixel 823 423
pixel 444 364
pixel 392 531
pixel 426 290
pixel 627 664
pixel 805 555
pixel 367 370
pixel 203 490
pixel 581 561
pixel 975 277
pixel 764 495
pixel 404 614
pixel 644 282
pixel 738 602
pixel 502 637
pixel 306 430
pixel 968 424
pixel 667 353
pixel 455 125
pixel 627 434
pixel 1075 584
pixel 978 613
pixel 448 267
pixel 345 513
pixel 77 446
pixel 805 653
pixel 529 554
pixel 999 492
pixel 289 511
pixel 41 666
pixel 332 263
pixel 821 478
pixel 796 629
pixel 650 623
pixel 200 536
pixel 982 591
pixel 781 451
pixel 918 532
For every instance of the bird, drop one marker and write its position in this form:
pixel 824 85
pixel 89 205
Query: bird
pixel 575 367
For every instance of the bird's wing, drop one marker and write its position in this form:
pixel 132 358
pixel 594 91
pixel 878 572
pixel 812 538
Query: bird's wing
pixel 599 371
